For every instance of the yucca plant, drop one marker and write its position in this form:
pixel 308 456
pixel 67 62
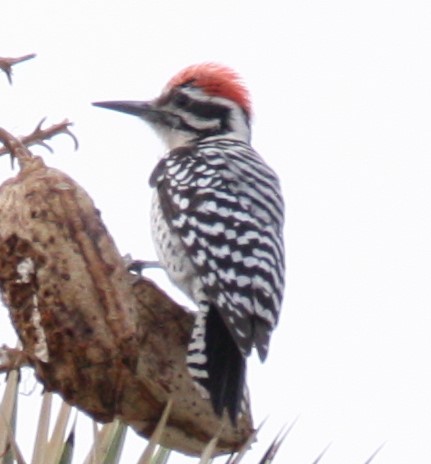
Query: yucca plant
pixel 58 446
pixel 108 442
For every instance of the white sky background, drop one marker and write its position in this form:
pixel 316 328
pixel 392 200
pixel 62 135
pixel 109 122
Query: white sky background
pixel 342 104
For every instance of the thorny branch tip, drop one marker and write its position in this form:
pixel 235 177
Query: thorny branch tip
pixel 7 63
pixel 38 137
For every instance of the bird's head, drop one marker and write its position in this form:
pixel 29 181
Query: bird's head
pixel 201 101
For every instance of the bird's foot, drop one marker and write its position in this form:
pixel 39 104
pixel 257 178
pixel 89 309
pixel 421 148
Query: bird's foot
pixel 136 266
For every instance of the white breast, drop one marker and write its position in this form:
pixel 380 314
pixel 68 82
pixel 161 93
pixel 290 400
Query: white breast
pixel 172 255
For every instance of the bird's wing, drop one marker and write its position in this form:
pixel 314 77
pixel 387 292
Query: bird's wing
pixel 228 214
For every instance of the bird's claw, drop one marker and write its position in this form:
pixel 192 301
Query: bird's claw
pixel 136 266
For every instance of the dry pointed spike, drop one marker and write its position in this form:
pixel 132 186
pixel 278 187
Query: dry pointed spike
pixel 107 441
pixel 155 437
pixel 235 459
pixel 56 442
pixel 230 459
pixel 7 408
pixel 162 455
pixel 375 453
pixel 317 460
pixel 69 445
pixel 18 457
pixel 39 126
pixel 72 135
pixel 8 72
pixel 277 442
pixel 42 431
pixel 208 452
pixel 7 63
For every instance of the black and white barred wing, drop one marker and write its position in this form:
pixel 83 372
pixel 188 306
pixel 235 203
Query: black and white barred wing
pixel 225 204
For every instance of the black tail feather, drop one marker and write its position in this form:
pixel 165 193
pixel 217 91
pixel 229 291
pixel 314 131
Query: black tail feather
pixel 226 367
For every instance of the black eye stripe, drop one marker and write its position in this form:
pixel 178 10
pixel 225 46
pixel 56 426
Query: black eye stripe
pixel 203 110
pixel 208 110
pixel 180 100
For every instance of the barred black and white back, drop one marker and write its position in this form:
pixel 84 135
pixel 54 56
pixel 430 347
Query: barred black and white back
pixel 217 223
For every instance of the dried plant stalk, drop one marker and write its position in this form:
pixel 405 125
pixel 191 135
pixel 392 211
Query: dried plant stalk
pixel 110 343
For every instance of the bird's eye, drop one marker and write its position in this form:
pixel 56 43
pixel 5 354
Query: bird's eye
pixel 181 100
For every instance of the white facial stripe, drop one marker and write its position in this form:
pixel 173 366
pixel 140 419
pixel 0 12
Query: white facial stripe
pixel 174 137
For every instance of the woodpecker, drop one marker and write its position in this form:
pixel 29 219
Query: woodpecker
pixel 217 223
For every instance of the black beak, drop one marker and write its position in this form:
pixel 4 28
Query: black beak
pixel 137 108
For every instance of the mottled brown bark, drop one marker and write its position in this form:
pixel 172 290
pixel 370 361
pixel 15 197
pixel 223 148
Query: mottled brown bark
pixel 109 342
